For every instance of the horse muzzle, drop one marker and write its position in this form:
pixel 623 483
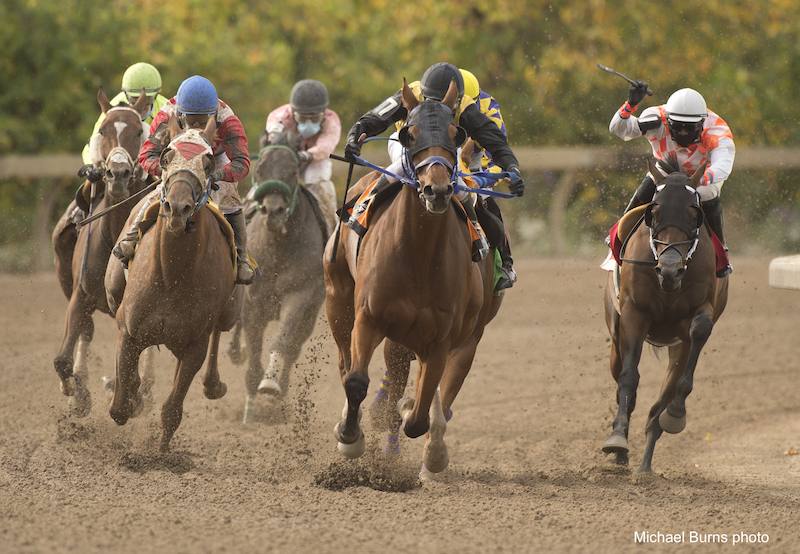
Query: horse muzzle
pixel 276 218
pixel 177 215
pixel 118 181
pixel 437 197
pixel 670 271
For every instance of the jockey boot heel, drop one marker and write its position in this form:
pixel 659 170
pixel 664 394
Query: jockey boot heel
pixel 480 246
pixel 244 271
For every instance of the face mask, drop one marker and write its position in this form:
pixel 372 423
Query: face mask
pixel 308 128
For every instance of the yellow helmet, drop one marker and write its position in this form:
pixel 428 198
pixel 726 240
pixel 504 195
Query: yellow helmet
pixel 471 86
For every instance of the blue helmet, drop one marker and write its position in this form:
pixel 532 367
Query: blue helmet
pixel 197 95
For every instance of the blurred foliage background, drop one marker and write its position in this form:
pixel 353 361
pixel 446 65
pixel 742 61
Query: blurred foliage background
pixel 536 57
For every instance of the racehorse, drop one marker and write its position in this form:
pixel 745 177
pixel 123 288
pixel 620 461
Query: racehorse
pixel 670 296
pixel 81 256
pixel 413 282
pixel 180 284
pixel 286 237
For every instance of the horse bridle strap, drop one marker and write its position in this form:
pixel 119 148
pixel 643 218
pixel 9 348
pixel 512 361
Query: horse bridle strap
pixel 276 185
pixel 200 199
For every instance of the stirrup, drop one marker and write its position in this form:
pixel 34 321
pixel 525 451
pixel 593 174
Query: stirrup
pixel 245 273
pixel 480 249
pixel 121 252
pixel 725 271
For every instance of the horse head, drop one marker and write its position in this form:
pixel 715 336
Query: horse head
pixel 431 140
pixel 674 218
pixel 117 142
pixel 275 182
pixel 187 163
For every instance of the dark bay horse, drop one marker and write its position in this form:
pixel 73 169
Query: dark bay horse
pixel 412 282
pixel 286 238
pixel 81 256
pixel 670 296
pixel 180 284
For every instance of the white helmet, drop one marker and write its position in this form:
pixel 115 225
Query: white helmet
pixel 687 105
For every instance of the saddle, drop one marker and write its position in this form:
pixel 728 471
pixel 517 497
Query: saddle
pixel 620 232
pixel 151 216
pixel 360 208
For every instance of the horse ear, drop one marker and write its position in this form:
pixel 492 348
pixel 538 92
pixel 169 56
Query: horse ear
pixel 141 103
pixel 404 136
pixel 409 100
pixel 467 150
pixel 658 177
pixel 173 127
pixel 102 99
pixel 210 129
pixel 697 175
pixel 451 97
pixel 648 215
pixel 165 158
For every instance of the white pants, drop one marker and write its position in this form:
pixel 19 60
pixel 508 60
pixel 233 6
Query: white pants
pixel 317 180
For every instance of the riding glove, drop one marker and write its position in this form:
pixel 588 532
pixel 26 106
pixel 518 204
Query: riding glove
pixel 353 147
pixel 91 173
pixel 637 92
pixel 516 185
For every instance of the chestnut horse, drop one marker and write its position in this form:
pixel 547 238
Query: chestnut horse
pixel 669 295
pixel 415 285
pixel 180 285
pixel 81 256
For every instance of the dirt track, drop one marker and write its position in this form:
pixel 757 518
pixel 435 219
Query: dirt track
pixel 526 470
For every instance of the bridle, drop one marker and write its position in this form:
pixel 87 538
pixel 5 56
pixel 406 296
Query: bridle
pixel 188 170
pixel 260 189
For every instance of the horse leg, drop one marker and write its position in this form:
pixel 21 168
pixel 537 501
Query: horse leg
pixel 383 410
pixel 213 387
pixel 254 324
pixel 673 418
pixel 340 307
pixel 633 330
pixel 235 348
pixel 127 397
pixel 189 364
pixel 78 311
pixel 678 355
pixel 366 339
pixel 80 403
pixel 148 376
pixel 416 419
pixel 301 311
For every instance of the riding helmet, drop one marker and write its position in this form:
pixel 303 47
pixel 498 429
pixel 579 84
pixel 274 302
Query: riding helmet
pixel 436 80
pixel 309 96
pixel 197 95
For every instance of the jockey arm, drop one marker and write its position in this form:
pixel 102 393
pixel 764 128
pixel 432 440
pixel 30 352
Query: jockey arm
pixel 486 133
pixel 379 118
pixel 233 141
pixel 627 126
pixel 150 152
pixel 328 138
pixel 720 166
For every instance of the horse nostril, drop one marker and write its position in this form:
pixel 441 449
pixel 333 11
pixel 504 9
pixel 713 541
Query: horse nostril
pixel 449 189
pixel 126 174
pixel 427 190
pixel 658 270
pixel 185 210
pixel 681 271
pixel 167 207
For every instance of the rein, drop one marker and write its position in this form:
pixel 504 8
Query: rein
pixel 485 179
pixel 113 207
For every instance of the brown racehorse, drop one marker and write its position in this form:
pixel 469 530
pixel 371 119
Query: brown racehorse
pixel 180 285
pixel 669 295
pixel 415 284
pixel 82 256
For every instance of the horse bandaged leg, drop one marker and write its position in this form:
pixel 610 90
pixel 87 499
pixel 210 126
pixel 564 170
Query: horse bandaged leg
pixel 269 383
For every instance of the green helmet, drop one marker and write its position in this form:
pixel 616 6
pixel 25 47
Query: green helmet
pixel 141 76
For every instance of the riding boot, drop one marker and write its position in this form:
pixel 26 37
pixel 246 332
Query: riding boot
pixel 244 271
pixel 492 220
pixel 509 276
pixel 480 247
pixel 712 211
pixel 126 246
pixel 644 194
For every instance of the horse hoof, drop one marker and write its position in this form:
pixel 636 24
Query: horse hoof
pixel 670 423
pixel 118 417
pixel 616 444
pixel 269 386
pixel 435 459
pixel 215 392
pixel 354 450
pixel 428 476
pixel 68 386
pixel 80 403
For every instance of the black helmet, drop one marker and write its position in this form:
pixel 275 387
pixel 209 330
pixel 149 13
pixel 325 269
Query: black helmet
pixel 436 80
pixel 309 96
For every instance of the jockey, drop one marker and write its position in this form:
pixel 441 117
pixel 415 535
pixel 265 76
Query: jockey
pixel 194 103
pixel 433 86
pixel 685 134
pixel 307 114
pixel 137 77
